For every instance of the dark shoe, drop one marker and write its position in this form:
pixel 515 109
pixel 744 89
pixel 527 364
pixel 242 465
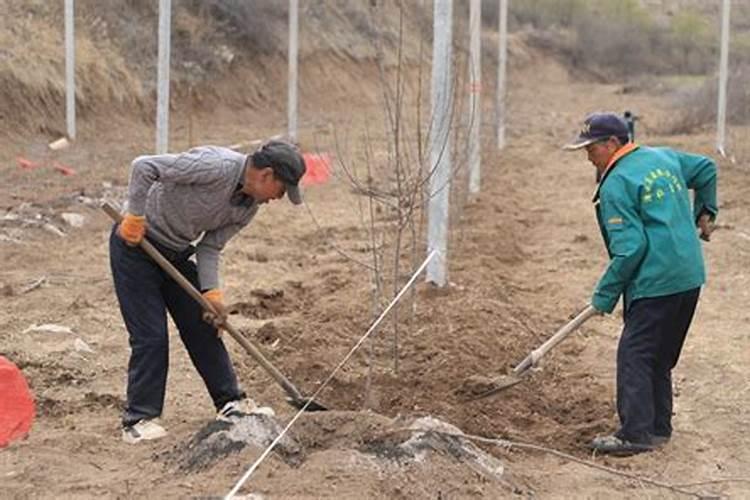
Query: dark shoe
pixel 613 445
pixel 657 441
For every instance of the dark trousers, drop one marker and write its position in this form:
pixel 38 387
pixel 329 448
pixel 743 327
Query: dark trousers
pixel 146 293
pixel 649 348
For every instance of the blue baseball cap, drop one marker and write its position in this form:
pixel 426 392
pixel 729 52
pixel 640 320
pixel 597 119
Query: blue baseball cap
pixel 598 127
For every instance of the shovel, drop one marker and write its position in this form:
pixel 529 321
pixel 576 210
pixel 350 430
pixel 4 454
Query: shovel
pixel 524 367
pixel 294 397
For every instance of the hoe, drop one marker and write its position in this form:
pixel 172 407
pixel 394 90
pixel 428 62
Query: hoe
pixel 504 382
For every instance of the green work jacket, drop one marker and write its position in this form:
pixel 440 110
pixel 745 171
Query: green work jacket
pixel 644 212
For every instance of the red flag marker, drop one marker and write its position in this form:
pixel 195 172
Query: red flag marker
pixel 318 168
pixel 27 164
pixel 63 169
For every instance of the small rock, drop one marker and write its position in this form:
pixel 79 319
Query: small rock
pixel 60 143
pixel 73 219
pixel 53 229
pixel 225 54
pixel 267 333
pixel 81 346
pixel 49 328
pixel 268 293
pixel 33 285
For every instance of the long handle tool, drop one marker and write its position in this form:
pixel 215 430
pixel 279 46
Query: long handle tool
pixel 295 398
pixel 522 369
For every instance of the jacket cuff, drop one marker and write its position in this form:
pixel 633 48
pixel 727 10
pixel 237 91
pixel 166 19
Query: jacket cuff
pixel 602 303
pixel 704 209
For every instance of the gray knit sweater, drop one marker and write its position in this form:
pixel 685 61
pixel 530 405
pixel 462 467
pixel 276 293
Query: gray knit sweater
pixel 189 197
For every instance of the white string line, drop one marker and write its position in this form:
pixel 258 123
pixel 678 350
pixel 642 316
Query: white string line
pixel 504 443
pixel 270 447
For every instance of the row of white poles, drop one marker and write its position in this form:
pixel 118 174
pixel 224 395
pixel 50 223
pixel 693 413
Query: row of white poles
pixel 163 66
pixel 162 121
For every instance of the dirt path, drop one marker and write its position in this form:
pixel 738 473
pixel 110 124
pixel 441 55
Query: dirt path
pixel 529 254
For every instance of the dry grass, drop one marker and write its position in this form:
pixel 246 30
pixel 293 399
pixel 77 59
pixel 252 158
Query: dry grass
pixel 697 107
pixel 32 72
pixel 117 49
pixel 619 39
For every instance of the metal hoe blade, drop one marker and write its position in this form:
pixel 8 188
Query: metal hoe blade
pixel 500 384
pixel 505 382
pixel 308 404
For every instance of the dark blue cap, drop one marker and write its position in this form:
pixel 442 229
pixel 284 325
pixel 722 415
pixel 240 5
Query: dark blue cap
pixel 598 127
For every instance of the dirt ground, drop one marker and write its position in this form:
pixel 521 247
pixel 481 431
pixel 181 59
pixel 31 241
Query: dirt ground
pixel 525 255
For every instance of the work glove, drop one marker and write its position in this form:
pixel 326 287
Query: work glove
pixel 218 316
pixel 132 229
pixel 706 226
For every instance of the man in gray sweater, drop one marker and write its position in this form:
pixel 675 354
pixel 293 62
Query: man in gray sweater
pixel 185 204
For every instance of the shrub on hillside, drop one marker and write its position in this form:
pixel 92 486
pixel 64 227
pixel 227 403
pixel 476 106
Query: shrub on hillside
pixel 618 38
pixel 693 42
pixel 251 24
pixel 697 108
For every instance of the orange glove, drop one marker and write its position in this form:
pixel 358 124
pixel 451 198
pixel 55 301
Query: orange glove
pixel 219 313
pixel 132 229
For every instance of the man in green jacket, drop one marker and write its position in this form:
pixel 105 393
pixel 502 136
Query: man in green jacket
pixel 648 224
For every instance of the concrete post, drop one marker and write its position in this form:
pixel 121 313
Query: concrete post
pixel 162 85
pixel 439 143
pixel 721 115
pixel 292 77
pixel 70 64
pixel 475 95
pixel 502 52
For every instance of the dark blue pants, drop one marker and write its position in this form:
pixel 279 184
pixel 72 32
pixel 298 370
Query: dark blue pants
pixel 649 348
pixel 146 293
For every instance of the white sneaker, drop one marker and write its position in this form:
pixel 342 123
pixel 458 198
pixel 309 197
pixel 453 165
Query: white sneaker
pixel 234 410
pixel 143 430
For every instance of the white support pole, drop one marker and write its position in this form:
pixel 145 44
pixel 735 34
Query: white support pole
pixel 293 57
pixel 70 64
pixel 475 95
pixel 162 86
pixel 502 51
pixel 440 147
pixel 721 115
